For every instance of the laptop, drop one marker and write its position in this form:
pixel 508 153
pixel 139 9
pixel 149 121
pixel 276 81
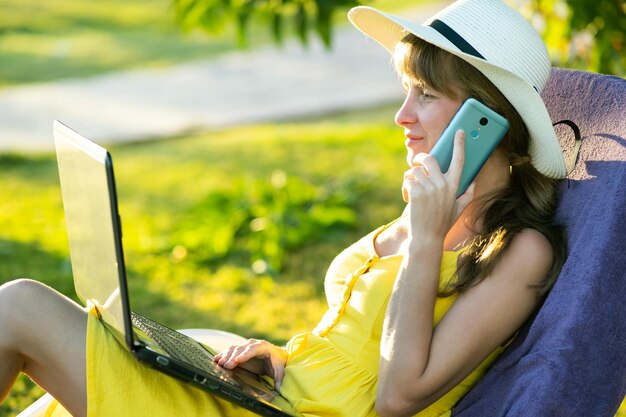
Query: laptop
pixel 95 240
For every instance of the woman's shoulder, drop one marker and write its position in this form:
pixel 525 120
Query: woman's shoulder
pixel 532 243
pixel 530 254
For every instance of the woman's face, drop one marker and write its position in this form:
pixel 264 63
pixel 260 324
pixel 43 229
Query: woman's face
pixel 424 115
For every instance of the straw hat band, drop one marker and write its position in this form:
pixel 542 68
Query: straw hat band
pixel 494 29
pixel 458 41
pixel 455 38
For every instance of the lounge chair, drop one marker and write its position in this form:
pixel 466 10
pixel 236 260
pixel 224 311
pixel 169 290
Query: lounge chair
pixel 570 358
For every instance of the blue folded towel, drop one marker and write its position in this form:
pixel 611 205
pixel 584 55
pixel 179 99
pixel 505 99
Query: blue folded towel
pixel 570 358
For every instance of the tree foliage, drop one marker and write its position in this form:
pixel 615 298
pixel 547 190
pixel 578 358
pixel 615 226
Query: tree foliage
pixel 303 16
pixel 584 34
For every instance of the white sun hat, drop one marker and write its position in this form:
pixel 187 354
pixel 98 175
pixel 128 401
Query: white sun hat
pixel 501 44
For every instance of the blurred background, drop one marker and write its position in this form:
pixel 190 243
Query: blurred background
pixel 253 140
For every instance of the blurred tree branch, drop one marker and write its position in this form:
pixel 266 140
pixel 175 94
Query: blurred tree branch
pixel 583 34
pixel 304 16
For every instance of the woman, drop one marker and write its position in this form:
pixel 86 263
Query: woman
pixel 419 308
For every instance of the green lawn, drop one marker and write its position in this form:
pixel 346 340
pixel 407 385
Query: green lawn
pixel 316 185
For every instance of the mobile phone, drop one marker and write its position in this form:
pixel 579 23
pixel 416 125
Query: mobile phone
pixel 484 129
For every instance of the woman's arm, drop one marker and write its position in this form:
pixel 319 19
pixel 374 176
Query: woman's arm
pixel 419 364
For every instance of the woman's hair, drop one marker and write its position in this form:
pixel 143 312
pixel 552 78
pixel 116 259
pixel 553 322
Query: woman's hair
pixel 530 199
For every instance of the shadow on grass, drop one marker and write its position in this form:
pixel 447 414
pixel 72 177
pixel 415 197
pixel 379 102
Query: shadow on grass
pixel 31 261
pixel 22 260
pixel 35 168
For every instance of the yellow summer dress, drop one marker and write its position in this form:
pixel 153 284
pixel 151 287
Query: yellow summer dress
pixel 331 371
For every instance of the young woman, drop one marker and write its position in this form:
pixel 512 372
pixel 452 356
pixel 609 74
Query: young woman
pixel 419 308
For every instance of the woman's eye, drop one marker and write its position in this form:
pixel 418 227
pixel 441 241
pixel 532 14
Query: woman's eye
pixel 422 93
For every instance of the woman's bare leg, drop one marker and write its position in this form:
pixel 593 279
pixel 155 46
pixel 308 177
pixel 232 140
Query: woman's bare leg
pixel 42 333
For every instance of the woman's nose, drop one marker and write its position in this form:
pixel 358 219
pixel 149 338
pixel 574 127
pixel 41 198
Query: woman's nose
pixel 406 113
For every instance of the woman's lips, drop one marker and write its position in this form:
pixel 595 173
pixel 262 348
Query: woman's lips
pixel 412 140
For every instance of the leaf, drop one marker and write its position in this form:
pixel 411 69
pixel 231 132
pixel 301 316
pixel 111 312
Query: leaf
pixel 242 22
pixel 276 22
pixel 302 24
pixel 322 22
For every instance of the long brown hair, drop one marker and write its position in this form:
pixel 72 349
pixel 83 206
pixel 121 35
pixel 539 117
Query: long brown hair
pixel 530 199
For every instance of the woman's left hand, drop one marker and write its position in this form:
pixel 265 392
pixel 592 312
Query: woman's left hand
pixel 431 195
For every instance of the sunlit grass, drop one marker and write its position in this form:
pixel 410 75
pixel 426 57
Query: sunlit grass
pixel 160 182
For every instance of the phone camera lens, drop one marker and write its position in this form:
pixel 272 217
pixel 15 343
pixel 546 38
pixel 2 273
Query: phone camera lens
pixel 483 121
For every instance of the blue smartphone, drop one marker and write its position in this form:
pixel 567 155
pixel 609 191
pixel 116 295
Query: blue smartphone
pixel 484 129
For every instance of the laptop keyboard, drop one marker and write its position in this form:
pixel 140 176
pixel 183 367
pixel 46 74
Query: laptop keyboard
pixel 179 346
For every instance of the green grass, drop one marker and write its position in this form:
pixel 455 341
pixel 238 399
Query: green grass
pixel 357 159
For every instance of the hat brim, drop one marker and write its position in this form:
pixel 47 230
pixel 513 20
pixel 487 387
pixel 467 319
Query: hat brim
pixel 544 148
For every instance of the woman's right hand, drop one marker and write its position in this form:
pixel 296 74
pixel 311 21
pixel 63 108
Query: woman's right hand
pixel 431 195
pixel 258 356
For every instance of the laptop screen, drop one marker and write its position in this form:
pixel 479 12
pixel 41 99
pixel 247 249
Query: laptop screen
pixel 93 226
pixel 92 222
